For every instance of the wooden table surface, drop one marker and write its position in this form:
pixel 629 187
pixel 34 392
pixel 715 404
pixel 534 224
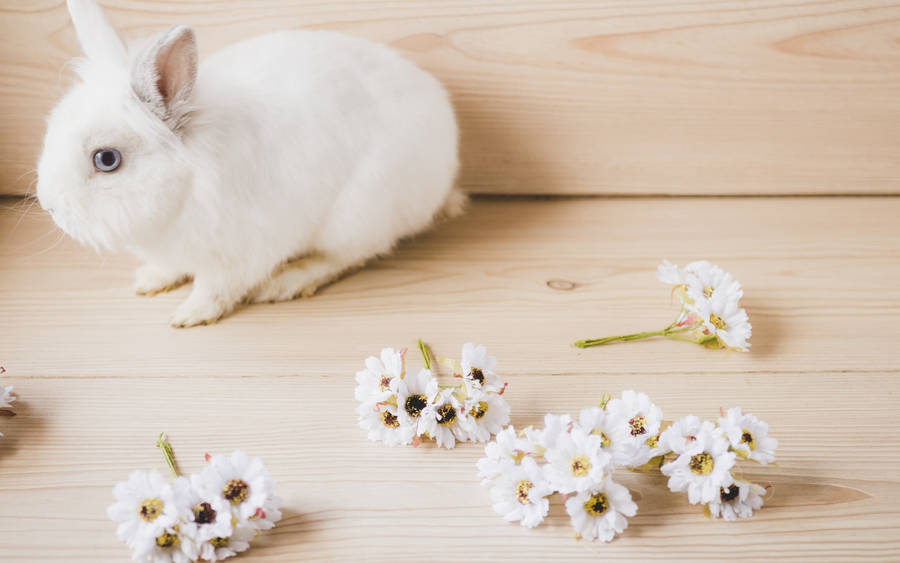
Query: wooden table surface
pixel 99 374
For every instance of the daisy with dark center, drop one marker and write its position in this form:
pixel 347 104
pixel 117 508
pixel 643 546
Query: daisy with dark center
pixel 635 419
pixel 710 313
pixel 414 393
pixel 441 420
pixel 749 436
pixel 738 500
pixel 485 414
pixel 478 369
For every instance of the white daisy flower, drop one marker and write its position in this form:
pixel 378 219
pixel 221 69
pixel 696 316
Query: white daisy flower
pixel 749 436
pixel 441 420
pixel 555 425
pixel 738 500
pixel 210 516
pixel 671 274
pixel 506 449
pixel 682 433
pixel 577 461
pixel 520 494
pixel 478 369
pixel 599 512
pixel 218 548
pixel 703 468
pixel 6 397
pixel 149 511
pixel 383 423
pixel 642 420
pixel 485 414
pixel 723 318
pixel 709 282
pixel 245 484
pixel 414 393
pixel 374 382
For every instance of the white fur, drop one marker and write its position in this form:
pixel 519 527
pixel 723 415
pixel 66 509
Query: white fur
pixel 298 144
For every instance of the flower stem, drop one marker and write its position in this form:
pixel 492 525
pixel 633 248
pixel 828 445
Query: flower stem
pixel 626 337
pixel 163 444
pixel 423 349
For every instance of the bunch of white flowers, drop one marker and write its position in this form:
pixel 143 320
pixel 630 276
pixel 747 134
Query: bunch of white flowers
pixel 701 458
pixel 6 396
pixel 578 458
pixel 710 313
pixel 211 516
pixel 399 408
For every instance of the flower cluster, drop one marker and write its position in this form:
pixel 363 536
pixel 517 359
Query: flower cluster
pixel 6 396
pixel 212 515
pixel 399 408
pixel 701 458
pixel 577 457
pixel 710 314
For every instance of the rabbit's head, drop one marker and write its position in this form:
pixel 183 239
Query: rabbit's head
pixel 113 167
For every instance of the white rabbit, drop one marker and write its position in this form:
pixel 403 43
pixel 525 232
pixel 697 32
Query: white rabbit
pixel 309 146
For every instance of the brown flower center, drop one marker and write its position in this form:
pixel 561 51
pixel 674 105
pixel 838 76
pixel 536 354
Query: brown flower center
pixel 166 540
pixel 747 438
pixel 701 464
pixel 580 465
pixel 597 505
pixel 638 425
pixel 219 542
pixel 522 489
pixel 477 375
pixel 717 321
pixel 389 419
pixel 236 491
pixel 414 405
pixel 150 509
pixel 204 513
pixel 479 410
pixel 446 414
pixel 730 493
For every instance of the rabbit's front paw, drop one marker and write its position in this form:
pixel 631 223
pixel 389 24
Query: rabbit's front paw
pixel 150 280
pixel 199 309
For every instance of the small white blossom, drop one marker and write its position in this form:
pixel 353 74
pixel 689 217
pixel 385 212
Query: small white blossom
pixel 749 436
pixel 555 425
pixel 246 486
pixel 520 494
pixel 210 516
pixel 738 500
pixel 679 436
pixel 505 450
pixel 219 548
pixel 599 512
pixel 577 461
pixel 703 468
pixel 441 420
pixel 485 414
pixel 478 369
pixel 413 394
pixel 374 382
pixel 636 420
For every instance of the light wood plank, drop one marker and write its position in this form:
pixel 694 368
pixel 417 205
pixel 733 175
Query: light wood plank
pixel 611 96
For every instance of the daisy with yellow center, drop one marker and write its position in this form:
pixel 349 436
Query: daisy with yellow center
pixel 703 467
pixel 520 494
pixel 600 512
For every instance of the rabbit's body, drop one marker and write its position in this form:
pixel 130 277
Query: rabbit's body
pixel 298 144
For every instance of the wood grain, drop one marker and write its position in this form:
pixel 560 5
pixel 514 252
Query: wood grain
pixel 610 97
pixel 99 373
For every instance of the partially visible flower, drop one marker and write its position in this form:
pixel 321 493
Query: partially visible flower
pixel 679 436
pixel 599 512
pixel 749 436
pixel 555 425
pixel 737 500
pixel 484 414
pixel 723 318
pixel 149 510
pixel 671 274
pixel 414 393
pixel 703 468
pixel 441 420
pixel 374 382
pixel 577 461
pixel 383 423
pixel 6 397
pixel 506 449
pixel 478 369
pixel 210 515
pixel 218 548
pixel 520 494
pixel 246 486
pixel 642 420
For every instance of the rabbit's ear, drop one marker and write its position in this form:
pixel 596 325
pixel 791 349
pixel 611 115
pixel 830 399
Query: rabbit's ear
pixel 98 39
pixel 164 74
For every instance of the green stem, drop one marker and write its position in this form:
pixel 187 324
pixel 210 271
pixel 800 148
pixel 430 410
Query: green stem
pixel 668 331
pixel 423 349
pixel 163 444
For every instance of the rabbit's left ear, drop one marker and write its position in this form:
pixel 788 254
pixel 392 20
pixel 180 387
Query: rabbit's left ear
pixel 164 75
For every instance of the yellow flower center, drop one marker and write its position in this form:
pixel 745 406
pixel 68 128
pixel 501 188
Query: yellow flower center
pixel 717 321
pixel 747 438
pixel 580 465
pixel 653 441
pixel 604 439
pixel 219 542
pixel 638 425
pixel 479 410
pixel 389 419
pixel 701 464
pixel 236 491
pixel 446 414
pixel 150 509
pixel 166 540
pixel 414 405
pixel 522 489
pixel 708 290
pixel 597 504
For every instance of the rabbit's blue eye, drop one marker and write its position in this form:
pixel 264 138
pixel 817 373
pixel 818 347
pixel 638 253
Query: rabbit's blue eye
pixel 107 160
